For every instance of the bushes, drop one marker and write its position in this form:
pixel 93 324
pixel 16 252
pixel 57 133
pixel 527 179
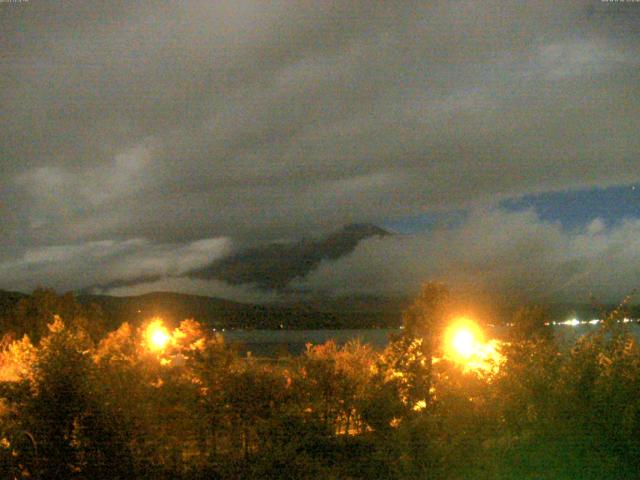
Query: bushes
pixel 74 408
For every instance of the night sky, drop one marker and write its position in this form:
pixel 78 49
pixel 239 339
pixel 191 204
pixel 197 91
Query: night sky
pixel 499 140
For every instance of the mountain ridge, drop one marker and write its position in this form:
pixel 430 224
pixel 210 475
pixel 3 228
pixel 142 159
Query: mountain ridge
pixel 223 313
pixel 365 311
pixel 275 265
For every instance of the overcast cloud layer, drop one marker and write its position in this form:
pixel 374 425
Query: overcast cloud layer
pixel 495 253
pixel 134 131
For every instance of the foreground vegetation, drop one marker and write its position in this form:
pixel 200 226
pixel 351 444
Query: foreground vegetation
pixel 148 401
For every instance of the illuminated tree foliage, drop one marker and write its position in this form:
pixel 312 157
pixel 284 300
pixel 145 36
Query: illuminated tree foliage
pixel 162 401
pixel 31 315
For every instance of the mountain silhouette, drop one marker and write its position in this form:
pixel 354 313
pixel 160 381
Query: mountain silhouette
pixel 275 265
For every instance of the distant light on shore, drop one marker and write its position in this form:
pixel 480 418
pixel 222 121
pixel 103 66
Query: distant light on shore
pixel 574 322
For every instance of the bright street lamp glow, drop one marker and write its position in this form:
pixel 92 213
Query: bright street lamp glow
pixel 463 338
pixel 157 335
pixel 159 339
pixel 464 342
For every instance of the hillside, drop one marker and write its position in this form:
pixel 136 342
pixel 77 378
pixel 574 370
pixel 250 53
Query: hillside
pixel 220 313
pixel 9 299
pixel 327 312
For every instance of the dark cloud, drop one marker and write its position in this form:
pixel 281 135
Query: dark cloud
pixel 255 121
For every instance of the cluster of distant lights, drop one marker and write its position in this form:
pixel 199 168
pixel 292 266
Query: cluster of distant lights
pixel 574 322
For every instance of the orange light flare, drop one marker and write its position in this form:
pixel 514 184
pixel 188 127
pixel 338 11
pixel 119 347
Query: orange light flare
pixel 156 335
pixel 465 344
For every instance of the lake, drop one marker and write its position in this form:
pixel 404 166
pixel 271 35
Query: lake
pixel 271 343
pixel 274 342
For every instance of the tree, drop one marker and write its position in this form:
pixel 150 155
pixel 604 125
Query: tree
pixel 531 322
pixel 425 317
pixel 54 412
pixel 423 323
pixel 31 315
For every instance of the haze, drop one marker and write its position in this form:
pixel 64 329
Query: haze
pixel 147 139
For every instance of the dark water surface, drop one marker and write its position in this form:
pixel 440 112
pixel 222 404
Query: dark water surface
pixel 271 343
pixel 276 342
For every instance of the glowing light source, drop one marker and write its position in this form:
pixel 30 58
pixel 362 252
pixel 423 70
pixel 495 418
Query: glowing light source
pixel 462 339
pixel 157 335
pixel 464 344
pixel 573 322
pixel 159 339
